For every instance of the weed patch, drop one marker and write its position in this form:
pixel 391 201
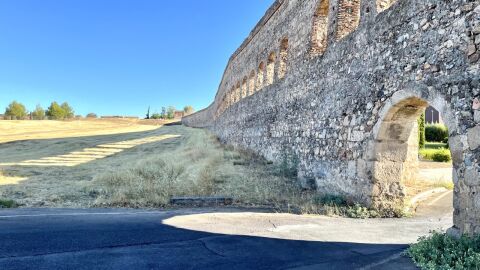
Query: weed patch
pixel 8 204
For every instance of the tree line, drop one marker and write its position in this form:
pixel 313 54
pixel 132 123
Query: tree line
pixel 56 111
pixel 169 112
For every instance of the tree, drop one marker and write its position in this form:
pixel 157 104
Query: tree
pixel 55 111
pixel 421 131
pixel 188 110
pixel 92 115
pixel 148 113
pixel 67 111
pixel 38 113
pixel 164 113
pixel 156 116
pixel 171 112
pixel 15 111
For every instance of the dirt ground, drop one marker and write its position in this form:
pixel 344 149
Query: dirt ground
pixel 48 163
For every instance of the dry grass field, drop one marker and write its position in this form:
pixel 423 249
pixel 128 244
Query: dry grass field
pixel 27 130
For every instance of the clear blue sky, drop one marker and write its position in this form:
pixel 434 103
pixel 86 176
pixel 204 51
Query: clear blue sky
pixel 119 56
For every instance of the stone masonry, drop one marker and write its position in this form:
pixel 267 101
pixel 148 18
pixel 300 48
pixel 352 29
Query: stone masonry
pixel 340 84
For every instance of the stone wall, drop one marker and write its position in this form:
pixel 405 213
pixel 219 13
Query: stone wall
pixel 345 103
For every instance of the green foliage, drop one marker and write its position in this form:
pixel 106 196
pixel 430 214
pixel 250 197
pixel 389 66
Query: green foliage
pixel 147 116
pixel 188 110
pixel 15 111
pixel 442 156
pixel 421 131
pixel 330 199
pixel 7 204
pixel 92 115
pixel 436 133
pixel 338 205
pixel 441 251
pixel 171 112
pixel 156 116
pixel 67 111
pixel 60 112
pixel 438 155
pixel 359 211
pixel 38 113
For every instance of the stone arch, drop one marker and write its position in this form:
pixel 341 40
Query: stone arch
pixel 232 96
pixel 260 76
pixel 271 68
pixel 244 87
pixel 383 5
pixel 251 83
pixel 320 28
pixel 282 67
pixel 238 94
pixel 348 17
pixel 395 148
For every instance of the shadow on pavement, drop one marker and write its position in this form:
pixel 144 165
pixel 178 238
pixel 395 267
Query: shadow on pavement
pixel 127 239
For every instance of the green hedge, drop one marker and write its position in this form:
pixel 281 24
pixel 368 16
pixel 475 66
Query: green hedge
pixel 438 155
pixel 436 133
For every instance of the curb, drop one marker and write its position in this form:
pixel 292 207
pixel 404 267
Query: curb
pixel 423 196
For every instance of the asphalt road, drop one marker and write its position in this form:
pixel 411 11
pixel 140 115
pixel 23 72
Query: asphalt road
pixel 204 239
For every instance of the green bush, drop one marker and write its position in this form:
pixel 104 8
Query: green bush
pixel 436 133
pixel 38 113
pixel 331 200
pixel 438 155
pixel 7 204
pixel 441 251
pixel 442 155
pixel 15 111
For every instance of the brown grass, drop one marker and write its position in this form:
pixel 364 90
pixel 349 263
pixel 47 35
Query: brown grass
pixel 48 129
pixel 199 167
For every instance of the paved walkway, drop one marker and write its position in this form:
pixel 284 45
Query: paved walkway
pixel 208 239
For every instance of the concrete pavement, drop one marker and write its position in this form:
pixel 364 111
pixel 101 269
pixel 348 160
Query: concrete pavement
pixel 206 239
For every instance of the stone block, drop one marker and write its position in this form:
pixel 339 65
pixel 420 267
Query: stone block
pixel 472 176
pixel 474 137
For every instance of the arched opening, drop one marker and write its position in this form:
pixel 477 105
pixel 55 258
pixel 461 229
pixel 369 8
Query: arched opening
pixel 271 68
pixel 320 28
pixel 238 94
pixel 251 83
pixel 232 96
pixel 383 5
pixel 348 17
pixel 260 76
pixel 244 87
pixel 282 67
pixel 401 172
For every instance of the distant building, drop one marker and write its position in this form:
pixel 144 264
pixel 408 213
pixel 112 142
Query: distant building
pixel 432 116
pixel 179 114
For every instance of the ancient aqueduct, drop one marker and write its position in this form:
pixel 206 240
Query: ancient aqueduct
pixel 340 83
